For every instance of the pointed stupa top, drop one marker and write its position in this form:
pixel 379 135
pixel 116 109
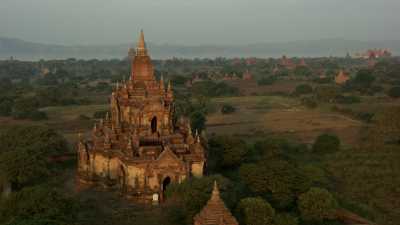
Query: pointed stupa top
pixel 215 192
pixel 215 211
pixel 162 83
pixel 142 68
pixel 141 45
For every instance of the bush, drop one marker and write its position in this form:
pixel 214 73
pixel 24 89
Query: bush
pixel 266 80
pixel 394 92
pixel 227 109
pixel 309 102
pixel 37 115
pixel 100 114
pixel 317 205
pixel 212 89
pixel 326 93
pixel 303 89
pixel 83 117
pixel 326 143
pixel 350 99
pixel 285 219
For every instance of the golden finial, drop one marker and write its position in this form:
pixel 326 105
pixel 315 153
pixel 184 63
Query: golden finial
pixel 215 191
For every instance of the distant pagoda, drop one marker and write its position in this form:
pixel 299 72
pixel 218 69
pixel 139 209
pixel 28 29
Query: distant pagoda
pixel 215 212
pixel 341 78
pixel 139 149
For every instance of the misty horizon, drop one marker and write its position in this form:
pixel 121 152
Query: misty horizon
pixel 196 23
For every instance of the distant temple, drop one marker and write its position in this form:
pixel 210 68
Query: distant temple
pixel 286 62
pixel 374 54
pixel 140 149
pixel 342 77
pixel 215 212
pixel 247 75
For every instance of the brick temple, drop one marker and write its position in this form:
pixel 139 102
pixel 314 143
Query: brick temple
pixel 139 149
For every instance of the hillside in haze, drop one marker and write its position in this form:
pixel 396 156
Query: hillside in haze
pixel 24 50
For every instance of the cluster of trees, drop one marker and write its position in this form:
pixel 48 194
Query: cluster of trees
pixel 262 183
pixel 213 89
pixel 25 162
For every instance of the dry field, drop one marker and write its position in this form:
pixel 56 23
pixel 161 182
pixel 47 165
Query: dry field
pixel 262 115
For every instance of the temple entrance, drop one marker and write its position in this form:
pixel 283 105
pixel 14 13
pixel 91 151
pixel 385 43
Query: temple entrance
pixel 122 179
pixel 165 184
pixel 154 125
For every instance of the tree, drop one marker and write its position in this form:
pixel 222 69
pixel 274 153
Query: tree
pixel 386 128
pixel 394 92
pixel 317 205
pixel 198 120
pixel 326 93
pixel 278 180
pixel 302 71
pixel 38 205
pixel 228 152
pixel 303 89
pixel 326 143
pixel 227 109
pixel 285 219
pixel 26 152
pixel 364 78
pixel 193 194
pixel 256 211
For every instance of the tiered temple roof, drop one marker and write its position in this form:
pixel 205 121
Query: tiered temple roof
pixel 215 212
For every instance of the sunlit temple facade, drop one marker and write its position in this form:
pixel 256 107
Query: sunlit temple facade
pixel 139 148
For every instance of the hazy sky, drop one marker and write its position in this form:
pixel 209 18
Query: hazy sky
pixel 198 21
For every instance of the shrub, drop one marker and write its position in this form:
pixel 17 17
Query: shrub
pixel 285 219
pixel 326 143
pixel 266 80
pixel 303 89
pixel 326 93
pixel 83 117
pixel 350 99
pixel 394 92
pixel 227 109
pixel 100 114
pixel 309 102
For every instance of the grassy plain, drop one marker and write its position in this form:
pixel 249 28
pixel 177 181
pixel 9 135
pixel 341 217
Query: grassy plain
pixel 283 116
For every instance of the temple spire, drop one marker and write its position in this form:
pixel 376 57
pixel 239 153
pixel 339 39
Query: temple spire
pixel 215 192
pixel 141 45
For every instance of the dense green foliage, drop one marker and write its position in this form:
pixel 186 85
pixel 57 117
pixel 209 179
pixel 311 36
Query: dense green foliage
pixel 226 152
pixel 38 205
pixel 394 92
pixel 25 158
pixel 194 193
pixel 212 89
pixel 303 89
pixel 326 143
pixel 317 205
pixel 256 211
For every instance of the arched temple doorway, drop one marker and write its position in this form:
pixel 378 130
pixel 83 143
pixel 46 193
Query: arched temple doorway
pixel 154 125
pixel 165 184
pixel 122 179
